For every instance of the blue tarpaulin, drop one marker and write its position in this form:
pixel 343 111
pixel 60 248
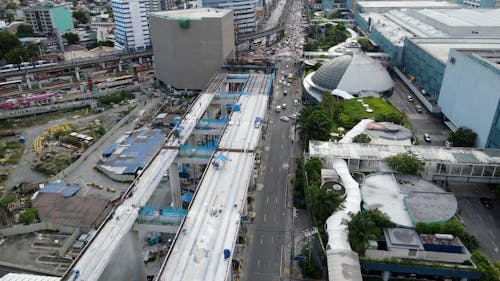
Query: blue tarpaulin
pixel 187 197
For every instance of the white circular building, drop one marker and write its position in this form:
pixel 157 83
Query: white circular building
pixel 348 76
pixel 406 199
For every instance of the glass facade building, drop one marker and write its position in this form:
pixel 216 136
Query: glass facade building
pixel 245 12
pixel 427 70
pixel 131 24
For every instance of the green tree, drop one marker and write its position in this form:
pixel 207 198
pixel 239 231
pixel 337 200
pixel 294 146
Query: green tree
pixel 313 171
pixel 344 120
pixel 81 17
pixel 332 106
pixel 361 138
pixel 463 137
pixel 10 17
pixel 106 43
pixel 364 43
pixel 71 38
pixel 11 6
pixel 7 43
pixel 322 203
pixel 316 124
pixel 28 216
pixel 6 200
pixel 394 117
pixel 364 226
pixel 17 55
pixel 406 163
pixel 24 30
pixel 488 271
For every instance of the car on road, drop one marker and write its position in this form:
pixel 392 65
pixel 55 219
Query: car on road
pixel 427 137
pixel 410 98
pixel 285 92
pixel 292 116
pixel 419 109
pixel 283 106
pixel 278 108
pixel 486 202
pixel 284 118
pixel 296 102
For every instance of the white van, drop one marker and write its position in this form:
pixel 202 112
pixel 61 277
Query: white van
pixel 278 108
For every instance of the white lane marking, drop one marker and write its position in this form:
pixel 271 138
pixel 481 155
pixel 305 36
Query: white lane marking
pixel 276 199
pixel 265 216
pixel 272 239
pixel 492 235
pixel 271 169
pixel 267 200
pixel 281 260
pixel 282 146
pixel 261 239
pixel 258 263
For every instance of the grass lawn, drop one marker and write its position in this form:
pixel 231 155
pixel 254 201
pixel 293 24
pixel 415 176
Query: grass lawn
pixel 382 111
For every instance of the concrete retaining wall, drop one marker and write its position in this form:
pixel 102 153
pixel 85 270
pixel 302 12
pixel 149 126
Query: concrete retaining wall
pixel 23 229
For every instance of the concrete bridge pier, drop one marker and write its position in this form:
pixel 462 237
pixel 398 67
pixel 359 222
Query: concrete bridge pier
pixel 120 67
pixel 28 82
pixel 386 275
pixel 77 74
pixel 268 40
pixel 128 263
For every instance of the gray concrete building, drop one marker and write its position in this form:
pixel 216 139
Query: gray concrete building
pixel 191 45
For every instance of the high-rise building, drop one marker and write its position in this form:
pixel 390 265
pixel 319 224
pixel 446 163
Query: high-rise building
pixel 189 46
pixel 48 18
pixel 131 24
pixel 245 12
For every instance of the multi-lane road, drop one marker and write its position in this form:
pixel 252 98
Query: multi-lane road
pixel 270 242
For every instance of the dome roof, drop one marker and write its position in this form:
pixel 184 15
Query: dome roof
pixel 329 74
pixel 355 73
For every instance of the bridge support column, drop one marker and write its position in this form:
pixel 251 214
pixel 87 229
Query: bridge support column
pixel 223 110
pixel 386 275
pixel 140 60
pixel 128 263
pixel 103 65
pixel 120 67
pixel 268 40
pixel 77 74
pixel 28 82
pixel 175 185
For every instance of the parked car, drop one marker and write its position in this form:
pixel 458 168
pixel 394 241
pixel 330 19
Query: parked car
pixel 284 118
pixel 427 138
pixel 486 202
pixel 419 109
pixel 410 98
